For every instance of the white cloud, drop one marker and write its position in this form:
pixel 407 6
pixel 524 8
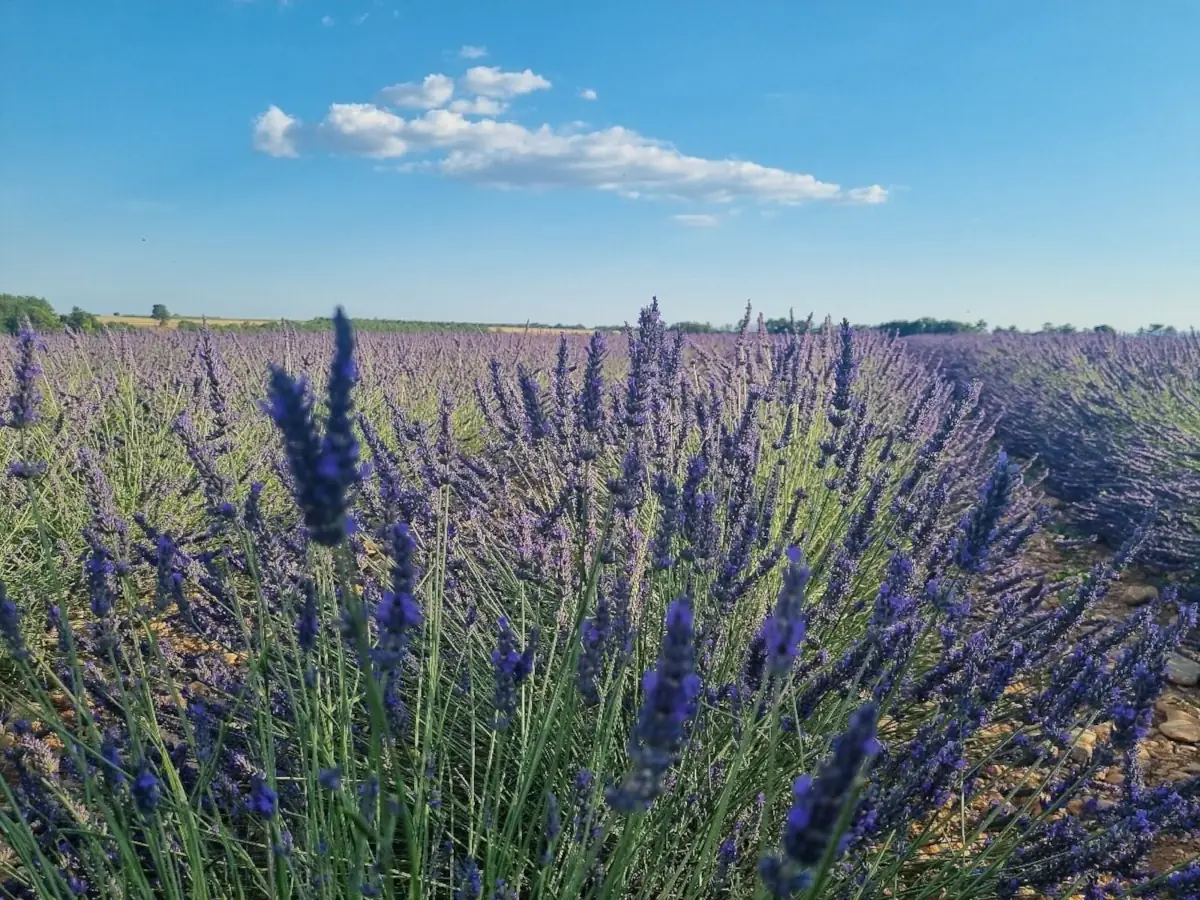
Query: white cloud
pixel 696 220
pixel 275 133
pixel 478 106
pixel 587 94
pixel 358 20
pixel 469 140
pixel 489 81
pixel 327 21
pixel 616 159
pixel 468 51
pixel 432 92
pixel 362 129
pixel 873 194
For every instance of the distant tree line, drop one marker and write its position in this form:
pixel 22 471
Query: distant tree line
pixel 909 327
pixel 772 326
pixel 15 310
pixel 927 325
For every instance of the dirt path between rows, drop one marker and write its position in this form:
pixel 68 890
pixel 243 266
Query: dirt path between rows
pixel 1171 752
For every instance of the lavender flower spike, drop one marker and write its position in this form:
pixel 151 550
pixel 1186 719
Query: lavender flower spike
pixel 977 530
pixel 591 395
pixel 325 469
pixel 511 667
pixel 669 693
pixel 25 400
pixel 10 626
pixel 291 409
pixel 784 629
pixel 843 377
pixel 398 613
pixel 818 803
pixel 340 447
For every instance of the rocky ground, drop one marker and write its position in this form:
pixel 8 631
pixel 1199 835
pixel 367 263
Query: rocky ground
pixel 1172 751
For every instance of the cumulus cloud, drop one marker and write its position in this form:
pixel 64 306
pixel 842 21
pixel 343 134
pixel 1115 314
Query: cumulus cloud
pixel 478 106
pixel 469 51
pixel 872 194
pixel 696 220
pixel 430 93
pixel 275 133
pixel 327 21
pixel 489 81
pixel 362 129
pixel 468 139
pixel 587 94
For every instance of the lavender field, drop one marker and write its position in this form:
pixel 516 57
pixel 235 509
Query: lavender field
pixel 1113 419
pixel 647 615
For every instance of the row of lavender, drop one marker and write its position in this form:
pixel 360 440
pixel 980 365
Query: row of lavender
pixel 1114 419
pixel 512 616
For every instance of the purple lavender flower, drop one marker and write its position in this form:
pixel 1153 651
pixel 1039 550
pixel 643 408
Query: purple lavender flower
pixel 145 790
pixel 27 471
pixel 470 881
pixel 110 762
pixel 308 625
pixel 591 394
pixel 323 469
pixel 669 694
pixel 216 376
pixel 23 405
pixel 596 637
pixel 510 667
pixel 727 855
pixel 264 802
pixel 340 448
pixel 668 522
pixel 10 626
pixel 536 424
pixel 398 613
pixel 817 805
pixel 322 504
pixel 100 569
pixel 699 526
pixel 629 488
pixel 978 528
pixel 784 628
pixel 1185 882
pixel 217 487
pixel 106 519
pixel 843 376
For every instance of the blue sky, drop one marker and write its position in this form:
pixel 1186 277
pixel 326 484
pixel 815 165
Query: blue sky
pixel 1017 161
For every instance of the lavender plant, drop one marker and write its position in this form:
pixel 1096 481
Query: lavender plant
pixel 1114 418
pixel 717 617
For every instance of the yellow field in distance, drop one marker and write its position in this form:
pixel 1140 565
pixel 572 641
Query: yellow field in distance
pixel 173 322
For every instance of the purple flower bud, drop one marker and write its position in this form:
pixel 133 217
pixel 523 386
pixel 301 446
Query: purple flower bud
pixel 264 802
pixel 669 693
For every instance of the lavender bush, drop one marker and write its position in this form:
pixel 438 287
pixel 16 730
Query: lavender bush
pixel 1114 418
pixel 521 616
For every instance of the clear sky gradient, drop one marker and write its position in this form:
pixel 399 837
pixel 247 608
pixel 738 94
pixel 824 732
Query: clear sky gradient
pixel 1017 161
